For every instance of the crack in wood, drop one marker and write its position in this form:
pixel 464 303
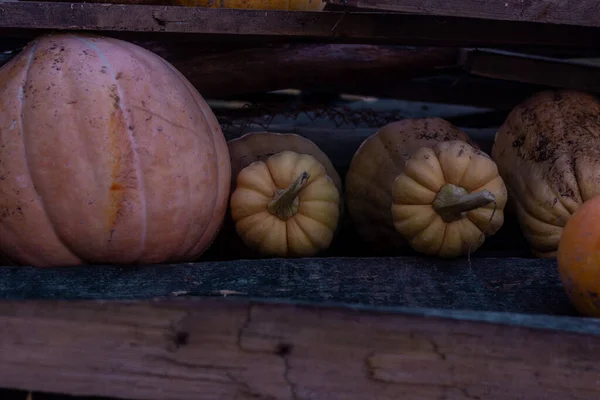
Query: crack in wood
pixel 436 349
pixel 247 390
pixel 283 349
pixel 286 376
pixel 468 395
pixel 162 23
pixel 194 366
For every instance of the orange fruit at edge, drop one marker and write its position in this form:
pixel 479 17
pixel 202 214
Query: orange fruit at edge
pixel 579 258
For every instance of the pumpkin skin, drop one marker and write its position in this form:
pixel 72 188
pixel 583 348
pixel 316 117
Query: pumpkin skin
pixel 579 258
pixel 286 206
pixel 382 194
pixel 548 153
pixel 107 155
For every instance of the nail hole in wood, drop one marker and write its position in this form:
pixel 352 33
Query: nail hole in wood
pixel 283 349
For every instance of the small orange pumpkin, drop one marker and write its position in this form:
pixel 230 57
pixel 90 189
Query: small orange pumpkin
pixel 579 258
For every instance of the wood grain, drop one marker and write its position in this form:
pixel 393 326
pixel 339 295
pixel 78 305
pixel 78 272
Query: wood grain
pixel 348 27
pixel 208 349
pixel 485 284
pixel 573 12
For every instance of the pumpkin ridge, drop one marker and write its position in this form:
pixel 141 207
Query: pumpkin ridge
pixel 314 219
pixel 536 213
pixel 439 249
pixel 573 165
pixel 326 201
pixel 439 151
pixel 198 100
pixel 303 230
pixel 528 232
pixel 132 141
pixel 562 127
pixel 40 200
pixel 254 227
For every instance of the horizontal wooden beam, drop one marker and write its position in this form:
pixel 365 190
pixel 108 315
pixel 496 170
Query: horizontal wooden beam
pixel 487 284
pixel 306 66
pixel 231 349
pixel 533 69
pixel 570 12
pixel 339 26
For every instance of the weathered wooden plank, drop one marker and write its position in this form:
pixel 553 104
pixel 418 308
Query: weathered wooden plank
pixel 488 284
pixel 323 26
pixel 310 66
pixel 229 349
pixel 572 12
pixel 533 69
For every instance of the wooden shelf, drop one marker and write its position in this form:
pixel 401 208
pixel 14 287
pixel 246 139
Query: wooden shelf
pixel 485 284
pixel 33 18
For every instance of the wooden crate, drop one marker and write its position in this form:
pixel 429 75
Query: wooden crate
pixel 352 324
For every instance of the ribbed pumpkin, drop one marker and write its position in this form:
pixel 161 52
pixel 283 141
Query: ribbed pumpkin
pixel 107 155
pixel 425 183
pixel 287 206
pixel 266 164
pixel 548 153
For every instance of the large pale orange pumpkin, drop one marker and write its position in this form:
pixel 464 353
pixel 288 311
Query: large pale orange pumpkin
pixel 107 155
pixel 579 258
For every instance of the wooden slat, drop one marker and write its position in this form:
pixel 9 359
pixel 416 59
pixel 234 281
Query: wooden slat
pixel 535 70
pixel 324 26
pixel 573 12
pixel 306 66
pixel 487 284
pixel 207 349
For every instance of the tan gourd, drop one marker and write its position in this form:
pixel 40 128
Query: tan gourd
pixel 107 155
pixel 285 200
pixel 425 183
pixel 548 152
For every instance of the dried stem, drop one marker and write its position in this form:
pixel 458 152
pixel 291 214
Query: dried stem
pixel 452 202
pixel 285 202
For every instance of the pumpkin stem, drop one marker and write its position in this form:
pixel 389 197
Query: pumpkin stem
pixel 285 203
pixel 453 202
